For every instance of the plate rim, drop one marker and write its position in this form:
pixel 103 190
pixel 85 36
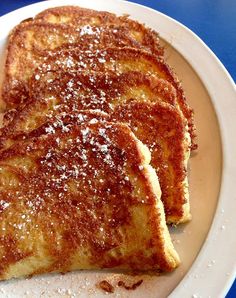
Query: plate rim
pixel 219 281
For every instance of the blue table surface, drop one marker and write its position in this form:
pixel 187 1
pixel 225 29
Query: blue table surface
pixel 214 21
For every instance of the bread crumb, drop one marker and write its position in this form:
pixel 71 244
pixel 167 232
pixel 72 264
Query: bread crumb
pixel 106 286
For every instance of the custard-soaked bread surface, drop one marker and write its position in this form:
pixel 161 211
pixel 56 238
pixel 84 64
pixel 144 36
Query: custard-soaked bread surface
pixel 119 61
pixel 68 91
pixel 78 16
pixel 148 104
pixel 160 126
pixel 69 27
pixel 81 197
pixel 64 27
pixel 95 119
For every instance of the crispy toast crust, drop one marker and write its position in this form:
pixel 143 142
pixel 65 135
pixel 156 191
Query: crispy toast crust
pixel 77 15
pixel 46 219
pixel 161 128
pixel 91 96
pixel 120 60
pixel 34 39
pixel 71 26
pixel 61 91
pixel 101 90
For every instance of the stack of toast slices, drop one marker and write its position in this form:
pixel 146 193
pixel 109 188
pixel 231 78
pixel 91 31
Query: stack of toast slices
pixel 95 143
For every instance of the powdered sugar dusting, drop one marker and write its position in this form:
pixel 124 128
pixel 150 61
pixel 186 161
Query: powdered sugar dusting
pixel 51 187
pixel 3 205
pixel 87 29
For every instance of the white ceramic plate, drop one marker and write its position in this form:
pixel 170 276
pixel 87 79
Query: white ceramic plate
pixel 207 244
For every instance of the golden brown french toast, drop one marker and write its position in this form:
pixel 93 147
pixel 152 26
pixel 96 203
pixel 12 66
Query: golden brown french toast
pixel 100 90
pixel 160 126
pixel 81 197
pixel 118 61
pixel 36 122
pixel 35 39
pixel 67 91
pixel 74 15
pixel 70 26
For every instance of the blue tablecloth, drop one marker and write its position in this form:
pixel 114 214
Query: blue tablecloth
pixel 214 21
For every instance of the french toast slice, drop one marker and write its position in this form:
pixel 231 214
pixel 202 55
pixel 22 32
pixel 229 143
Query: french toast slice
pixel 49 120
pixel 161 128
pixel 100 90
pixel 164 131
pixel 127 98
pixel 84 197
pixel 34 39
pixel 75 15
pixel 66 91
pixel 118 61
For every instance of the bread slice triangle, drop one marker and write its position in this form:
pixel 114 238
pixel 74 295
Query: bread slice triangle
pixel 149 106
pixel 66 27
pixel 81 196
